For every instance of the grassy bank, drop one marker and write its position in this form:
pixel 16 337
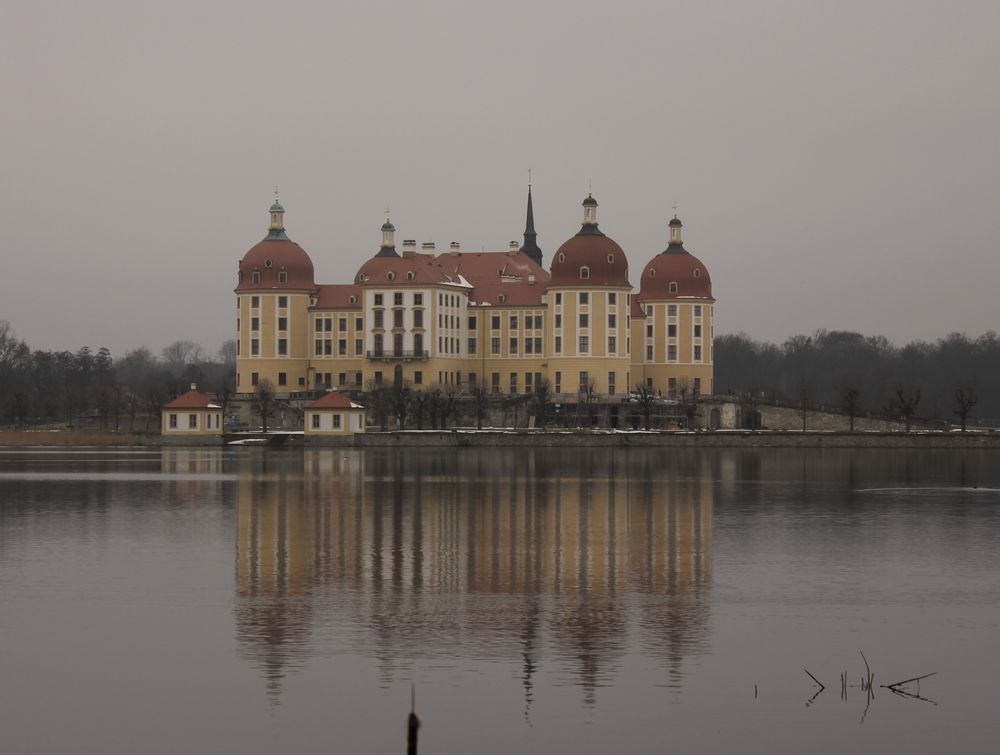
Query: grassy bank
pixel 68 438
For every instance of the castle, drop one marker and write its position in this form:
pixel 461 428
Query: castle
pixel 497 321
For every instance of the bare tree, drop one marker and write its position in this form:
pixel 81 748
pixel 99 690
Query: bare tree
pixel 263 402
pixel 400 398
pixel 379 402
pixel 543 402
pixel 419 400
pixel 480 397
pixel 647 399
pixel 804 403
pixel 965 399
pixel 689 403
pixel 852 402
pixel 178 355
pixel 906 403
pixel 587 400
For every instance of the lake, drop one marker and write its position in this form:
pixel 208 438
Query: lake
pixel 533 600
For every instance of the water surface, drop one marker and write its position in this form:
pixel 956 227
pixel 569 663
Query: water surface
pixel 255 601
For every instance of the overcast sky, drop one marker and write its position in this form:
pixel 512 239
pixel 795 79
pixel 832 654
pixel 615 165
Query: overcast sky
pixel 836 165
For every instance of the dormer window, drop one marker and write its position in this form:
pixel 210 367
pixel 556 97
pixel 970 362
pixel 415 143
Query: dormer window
pixel 410 275
pixel 255 276
pixel 390 275
pixel 673 287
pixel 282 277
pixel 697 273
pixel 268 263
pixel 611 259
pixel 584 273
pixel 353 300
pixel 241 276
pixel 502 298
pixel 652 272
pixel 562 257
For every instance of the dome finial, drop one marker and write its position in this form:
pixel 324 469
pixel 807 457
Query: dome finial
pixel 589 214
pixel 388 246
pixel 277 228
pixel 675 225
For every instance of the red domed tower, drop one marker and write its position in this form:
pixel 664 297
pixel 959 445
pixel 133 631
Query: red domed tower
pixel 672 324
pixel 588 299
pixel 273 291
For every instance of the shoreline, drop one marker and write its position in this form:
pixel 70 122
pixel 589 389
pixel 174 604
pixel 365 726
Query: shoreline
pixel 499 438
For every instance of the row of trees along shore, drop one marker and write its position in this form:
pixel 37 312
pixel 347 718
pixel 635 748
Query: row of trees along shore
pixel 955 378
pixel 68 388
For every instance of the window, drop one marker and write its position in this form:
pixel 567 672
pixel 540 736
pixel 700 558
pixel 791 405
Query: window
pixel 649 331
pixel 584 344
pixel 353 299
pixel 529 346
pixel 472 379
pixel 584 381
pixel 612 344
pixel 379 318
pixel 268 264
pixel 282 302
pixel 192 421
pixel 584 321
pixel 611 383
pixel 342 324
pixel 391 275
pixel 513 322
pixel 672 331
pixel 673 287
pixel 502 298
pixel 254 378
pixel 697 331
pixel 697 387
pixel 538 345
pixel 255 277
pixel 378 300
pixel 315 421
pixel 342 347
pixel 472 322
pixel 336 421
pixel 173 421
pixel 282 378
pixel 697 273
pixel 359 323
pixel 378 343
pixel 495 322
pixel 418 318
pixel 559 298
pixel 513 345
pixel 495 382
pixel 358 377
pixel 418 300
pixel 558 321
pixel 358 347
pixel 237 325
pixel 513 382
pixel 328 347
pixel 378 378
pixel 418 344
pixel 584 297
pixel 558 388
pixel 472 345
pixel 649 353
pixel 397 318
pixel 538 322
pixel 495 345
pixel 697 353
pixel 671 353
pixel 341 378
pixel 254 323
pixel 397 344
pixel 672 387
pixel 584 273
pixel 527 382
pixel 612 321
pixel 697 310
pixel 558 344
pixel 612 297
pixel 254 302
pixel 649 311
pixel 418 377
pixel 282 323
pixel 319 325
pixel 254 347
pixel 672 310
pixel 397 299
pixel 329 324
pixel 282 277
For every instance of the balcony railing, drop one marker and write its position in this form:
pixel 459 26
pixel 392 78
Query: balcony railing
pixel 389 355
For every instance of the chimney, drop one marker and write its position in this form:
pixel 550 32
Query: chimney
pixel 514 247
pixel 409 247
pixel 194 386
pixel 455 248
pixel 531 279
pixel 427 246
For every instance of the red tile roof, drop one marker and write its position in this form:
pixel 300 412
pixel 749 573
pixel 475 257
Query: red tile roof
pixel 493 274
pixel 416 270
pixel 193 399
pixel 271 257
pixel 338 296
pixel 334 400
pixel 680 267
pixel 604 259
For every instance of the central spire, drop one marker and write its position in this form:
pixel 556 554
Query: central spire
pixel 530 247
pixel 388 246
pixel 589 227
pixel 276 231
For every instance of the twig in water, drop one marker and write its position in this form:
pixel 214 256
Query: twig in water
pixel 917 679
pixel 821 685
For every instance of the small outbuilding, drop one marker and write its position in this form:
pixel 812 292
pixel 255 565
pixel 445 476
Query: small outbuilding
pixel 334 414
pixel 191 413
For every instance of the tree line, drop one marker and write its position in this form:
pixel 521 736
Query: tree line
pixel 87 386
pixel 953 378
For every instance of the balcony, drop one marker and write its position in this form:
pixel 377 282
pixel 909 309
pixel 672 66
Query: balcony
pixel 396 355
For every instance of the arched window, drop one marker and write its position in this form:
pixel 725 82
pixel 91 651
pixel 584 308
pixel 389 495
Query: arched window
pixel 282 277
pixel 255 276
pixel 562 257
pixel 697 273
pixel 353 300
pixel 410 275
pixel 611 259
pixel 378 344
pixel 390 275
pixel 584 273
pixel 502 298
pixel 268 263
pixel 652 272
pixel 673 287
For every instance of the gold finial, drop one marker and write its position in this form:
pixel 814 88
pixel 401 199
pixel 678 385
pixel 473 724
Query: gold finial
pixel 674 205
pixel 590 186
pixel 276 192
pixel 529 178
pixel 387 212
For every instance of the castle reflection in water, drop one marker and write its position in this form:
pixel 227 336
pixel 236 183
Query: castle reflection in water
pixel 547 560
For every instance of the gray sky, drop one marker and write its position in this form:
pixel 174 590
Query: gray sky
pixel 836 164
